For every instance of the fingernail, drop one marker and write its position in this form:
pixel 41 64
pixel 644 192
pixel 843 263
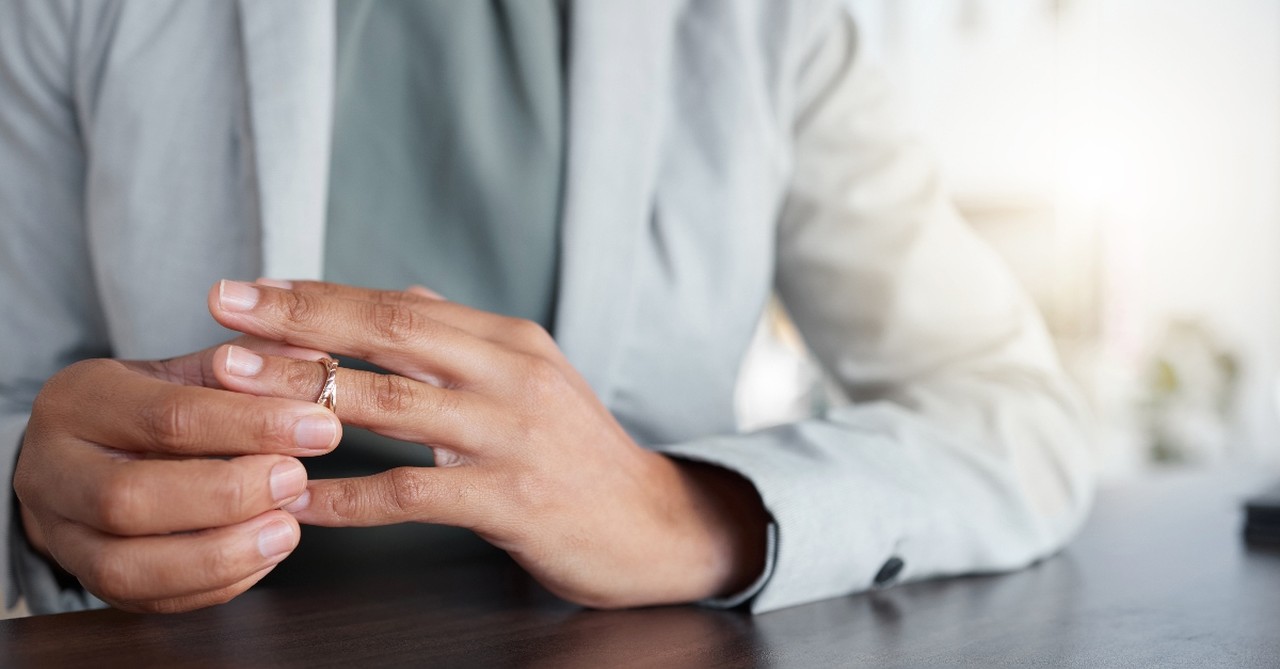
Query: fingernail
pixel 288 479
pixel 275 539
pixel 275 283
pixel 303 501
pixel 236 295
pixel 316 433
pixel 243 362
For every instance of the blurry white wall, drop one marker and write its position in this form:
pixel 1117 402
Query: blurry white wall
pixel 1135 146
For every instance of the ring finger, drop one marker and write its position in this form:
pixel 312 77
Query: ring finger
pixel 391 405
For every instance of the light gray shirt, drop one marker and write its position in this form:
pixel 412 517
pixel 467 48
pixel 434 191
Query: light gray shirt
pixel 719 152
pixel 448 150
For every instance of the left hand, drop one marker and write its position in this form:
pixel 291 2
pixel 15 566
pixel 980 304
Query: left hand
pixel 527 456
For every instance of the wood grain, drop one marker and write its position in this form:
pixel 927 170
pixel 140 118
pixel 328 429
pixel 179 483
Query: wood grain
pixel 1159 577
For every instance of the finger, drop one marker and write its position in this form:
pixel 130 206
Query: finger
pixel 452 496
pixel 515 334
pixel 519 334
pixel 201 600
pixel 135 497
pixel 196 369
pixel 391 405
pixel 393 336
pixel 120 408
pixel 133 569
pixel 349 292
pixel 411 295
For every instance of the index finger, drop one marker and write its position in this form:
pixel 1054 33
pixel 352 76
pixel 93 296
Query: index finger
pixel 455 496
pixel 124 409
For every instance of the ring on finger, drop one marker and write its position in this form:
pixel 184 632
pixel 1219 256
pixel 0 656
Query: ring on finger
pixel 329 391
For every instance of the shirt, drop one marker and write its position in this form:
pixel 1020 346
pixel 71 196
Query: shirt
pixel 448 150
pixel 448 145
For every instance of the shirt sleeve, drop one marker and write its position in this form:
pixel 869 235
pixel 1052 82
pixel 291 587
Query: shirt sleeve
pixel 963 448
pixel 47 293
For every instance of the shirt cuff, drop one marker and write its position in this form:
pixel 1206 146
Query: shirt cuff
pixel 746 594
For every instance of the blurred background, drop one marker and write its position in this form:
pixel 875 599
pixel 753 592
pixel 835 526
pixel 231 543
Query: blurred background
pixel 1124 157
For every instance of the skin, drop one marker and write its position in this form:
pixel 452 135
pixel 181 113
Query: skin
pixel 116 484
pixel 528 458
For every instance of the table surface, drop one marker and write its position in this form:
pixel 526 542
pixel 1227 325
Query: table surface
pixel 1158 577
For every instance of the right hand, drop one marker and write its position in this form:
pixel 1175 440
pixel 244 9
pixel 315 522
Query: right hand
pixel 157 489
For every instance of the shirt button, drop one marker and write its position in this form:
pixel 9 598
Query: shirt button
pixel 892 567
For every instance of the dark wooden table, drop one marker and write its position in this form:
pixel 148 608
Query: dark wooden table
pixel 1159 578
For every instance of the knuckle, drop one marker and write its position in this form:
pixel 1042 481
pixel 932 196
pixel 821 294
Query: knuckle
pixel 527 490
pixel 47 400
pixel 394 323
pixel 394 298
pixel 541 377
pixel 54 394
pixel 529 333
pixel 348 501
pixel 408 490
pixel 232 498
pixel 80 368
pixel 392 393
pixel 526 429
pixel 269 430
pixel 170 421
pixel 110 574
pixel 222 562
pixel 297 307
pixel 117 503
pixel 303 378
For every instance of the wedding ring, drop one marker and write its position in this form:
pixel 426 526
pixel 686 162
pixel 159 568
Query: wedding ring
pixel 329 391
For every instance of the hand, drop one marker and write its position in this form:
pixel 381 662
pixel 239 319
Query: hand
pixel 528 457
pixel 117 484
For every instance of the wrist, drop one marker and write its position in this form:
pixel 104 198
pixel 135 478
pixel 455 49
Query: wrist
pixel 731 521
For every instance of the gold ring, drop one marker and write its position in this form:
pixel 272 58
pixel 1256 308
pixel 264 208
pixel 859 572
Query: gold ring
pixel 329 391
